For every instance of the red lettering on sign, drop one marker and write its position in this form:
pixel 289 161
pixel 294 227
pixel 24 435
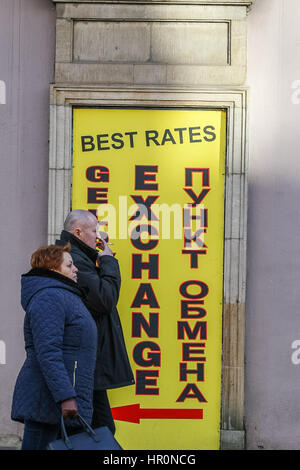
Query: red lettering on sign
pixel 194 292
pixel 145 353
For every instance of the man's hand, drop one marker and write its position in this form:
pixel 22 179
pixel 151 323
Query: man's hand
pixel 105 248
pixel 69 408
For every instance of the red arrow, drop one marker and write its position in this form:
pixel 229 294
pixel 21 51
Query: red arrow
pixel 133 413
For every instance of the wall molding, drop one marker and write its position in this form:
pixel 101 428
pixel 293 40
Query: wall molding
pixel 156 43
pixel 170 2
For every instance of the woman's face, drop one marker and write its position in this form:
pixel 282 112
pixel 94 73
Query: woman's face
pixel 67 268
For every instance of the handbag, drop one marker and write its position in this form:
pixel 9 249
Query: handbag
pixel 91 439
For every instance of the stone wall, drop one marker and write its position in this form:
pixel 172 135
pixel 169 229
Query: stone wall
pixel 153 43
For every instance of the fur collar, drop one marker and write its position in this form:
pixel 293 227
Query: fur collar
pixel 43 272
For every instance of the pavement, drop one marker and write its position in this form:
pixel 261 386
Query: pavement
pixel 10 442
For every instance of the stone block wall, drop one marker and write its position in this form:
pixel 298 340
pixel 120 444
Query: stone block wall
pixel 153 43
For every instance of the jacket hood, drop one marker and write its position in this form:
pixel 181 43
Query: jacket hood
pixel 39 278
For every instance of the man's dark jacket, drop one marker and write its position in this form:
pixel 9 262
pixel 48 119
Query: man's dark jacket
pixel 113 369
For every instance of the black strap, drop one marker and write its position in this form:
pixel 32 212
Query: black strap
pixel 87 428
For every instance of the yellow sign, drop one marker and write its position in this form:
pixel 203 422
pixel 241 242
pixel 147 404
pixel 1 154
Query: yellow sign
pixel 155 178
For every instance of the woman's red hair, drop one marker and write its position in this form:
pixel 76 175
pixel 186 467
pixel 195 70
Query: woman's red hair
pixel 49 256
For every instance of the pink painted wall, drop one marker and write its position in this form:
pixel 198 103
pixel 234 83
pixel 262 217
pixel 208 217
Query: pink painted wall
pixel 272 380
pixel 27 45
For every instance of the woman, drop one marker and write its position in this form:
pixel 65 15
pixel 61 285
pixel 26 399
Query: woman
pixel 60 341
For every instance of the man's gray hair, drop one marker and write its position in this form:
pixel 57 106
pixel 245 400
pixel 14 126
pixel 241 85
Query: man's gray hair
pixel 77 217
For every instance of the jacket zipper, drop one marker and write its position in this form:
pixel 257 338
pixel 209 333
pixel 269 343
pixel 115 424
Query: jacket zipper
pixel 74 374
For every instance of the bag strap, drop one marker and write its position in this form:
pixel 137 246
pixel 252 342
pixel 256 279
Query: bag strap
pixel 85 426
pixel 64 434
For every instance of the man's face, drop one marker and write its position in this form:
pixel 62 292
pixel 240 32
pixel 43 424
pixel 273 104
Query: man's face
pixel 87 232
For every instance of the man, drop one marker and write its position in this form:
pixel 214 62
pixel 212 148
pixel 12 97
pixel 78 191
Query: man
pixel 113 369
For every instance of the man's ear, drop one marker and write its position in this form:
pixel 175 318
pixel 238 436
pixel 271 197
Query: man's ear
pixel 77 232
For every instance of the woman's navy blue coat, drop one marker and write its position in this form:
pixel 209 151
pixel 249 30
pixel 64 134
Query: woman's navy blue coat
pixel 61 343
